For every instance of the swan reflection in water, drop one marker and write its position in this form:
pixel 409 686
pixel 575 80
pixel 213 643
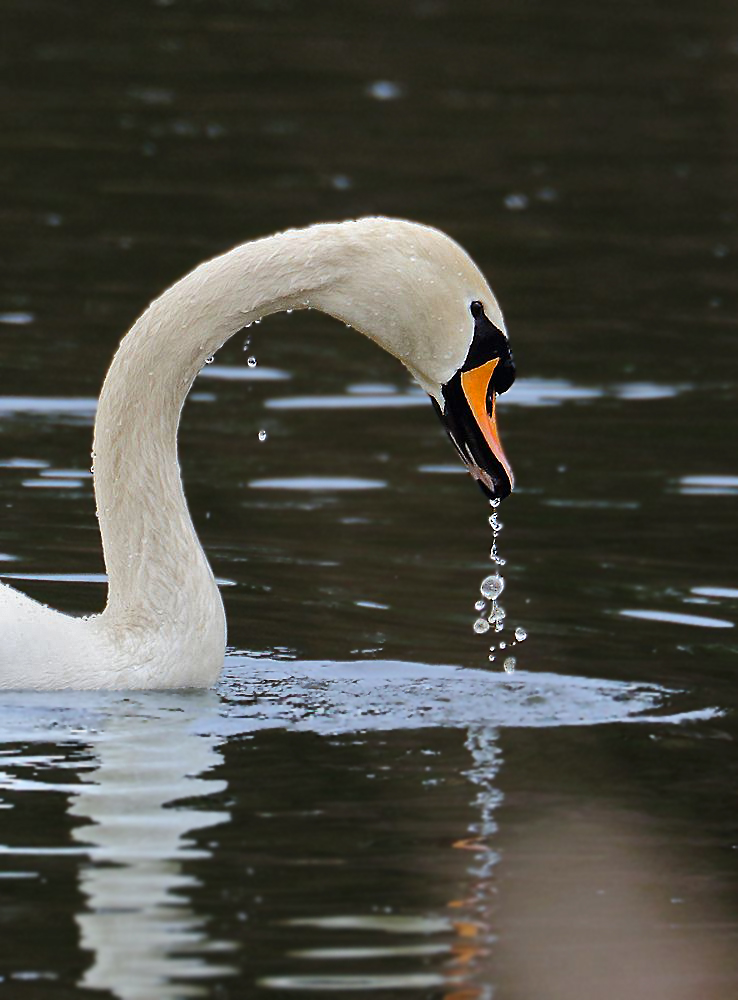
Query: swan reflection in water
pixel 154 753
pixel 137 924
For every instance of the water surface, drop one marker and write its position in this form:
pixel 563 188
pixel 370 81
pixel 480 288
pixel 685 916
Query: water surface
pixel 363 807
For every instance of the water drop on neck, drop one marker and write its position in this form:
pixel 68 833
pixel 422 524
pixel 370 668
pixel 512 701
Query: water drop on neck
pixel 209 361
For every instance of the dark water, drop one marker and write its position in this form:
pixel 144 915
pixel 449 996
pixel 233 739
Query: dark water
pixel 365 806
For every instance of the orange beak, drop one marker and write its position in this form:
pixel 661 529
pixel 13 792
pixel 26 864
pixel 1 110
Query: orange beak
pixel 468 414
pixel 481 398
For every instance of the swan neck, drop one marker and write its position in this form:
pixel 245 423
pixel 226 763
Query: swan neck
pixel 155 564
pixel 357 272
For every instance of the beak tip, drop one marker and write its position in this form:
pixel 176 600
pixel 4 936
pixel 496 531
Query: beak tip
pixel 497 485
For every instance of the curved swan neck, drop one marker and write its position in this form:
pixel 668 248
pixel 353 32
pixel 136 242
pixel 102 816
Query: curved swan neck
pixel 156 566
pixel 154 561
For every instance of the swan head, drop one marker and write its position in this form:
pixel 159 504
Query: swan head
pixel 417 293
pixel 468 405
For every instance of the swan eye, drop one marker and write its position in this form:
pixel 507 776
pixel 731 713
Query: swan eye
pixel 487 344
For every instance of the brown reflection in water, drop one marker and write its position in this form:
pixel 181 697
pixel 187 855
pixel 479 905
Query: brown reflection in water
pixel 585 911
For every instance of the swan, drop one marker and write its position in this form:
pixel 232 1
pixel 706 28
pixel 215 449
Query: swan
pixel 408 287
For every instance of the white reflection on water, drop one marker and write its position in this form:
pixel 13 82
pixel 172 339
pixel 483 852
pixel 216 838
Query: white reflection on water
pixel 705 486
pixel 718 592
pixel 52 406
pixel 677 618
pixel 244 373
pixel 137 922
pixel 17 318
pixel 318 484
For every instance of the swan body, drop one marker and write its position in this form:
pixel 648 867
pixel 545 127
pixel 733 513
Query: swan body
pixel 408 287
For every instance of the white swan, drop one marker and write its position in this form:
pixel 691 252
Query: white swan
pixel 408 287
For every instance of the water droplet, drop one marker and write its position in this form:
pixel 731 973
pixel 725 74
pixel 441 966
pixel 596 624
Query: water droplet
pixel 503 645
pixel 480 625
pixel 509 664
pixel 496 615
pixel 520 634
pixel 288 311
pixel 262 435
pixel 251 362
pixel 492 587
pixel 209 361
pixel 480 605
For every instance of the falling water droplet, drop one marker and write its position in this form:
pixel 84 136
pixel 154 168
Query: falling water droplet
pixel 262 435
pixel 492 587
pixel 480 605
pixel 480 625
pixel 251 362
